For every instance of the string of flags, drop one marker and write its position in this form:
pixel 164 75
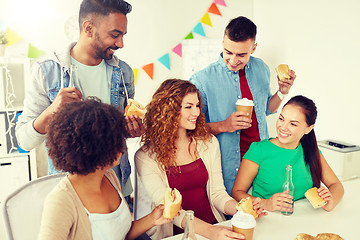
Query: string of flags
pixel 35 52
pixel 198 29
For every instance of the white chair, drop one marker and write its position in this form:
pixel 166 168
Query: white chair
pixel 142 200
pixel 22 209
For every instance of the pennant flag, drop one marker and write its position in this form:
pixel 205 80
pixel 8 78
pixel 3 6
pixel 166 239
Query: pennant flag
pixel 178 49
pixel 220 2
pixel 199 29
pixel 136 71
pixel 34 52
pixel 12 37
pixel 206 19
pixel 189 36
pixel 165 60
pixel 149 69
pixel 214 9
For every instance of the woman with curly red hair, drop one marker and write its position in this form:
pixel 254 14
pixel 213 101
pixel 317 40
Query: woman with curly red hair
pixel 86 139
pixel 179 152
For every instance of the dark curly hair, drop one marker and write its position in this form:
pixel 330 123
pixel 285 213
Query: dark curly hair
pixel 161 121
pixel 85 136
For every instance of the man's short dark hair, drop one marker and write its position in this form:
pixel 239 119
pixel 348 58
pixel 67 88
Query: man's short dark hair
pixel 240 29
pixel 103 8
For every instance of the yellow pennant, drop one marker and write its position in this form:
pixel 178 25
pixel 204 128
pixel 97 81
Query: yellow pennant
pixel 135 74
pixel 206 19
pixel 12 37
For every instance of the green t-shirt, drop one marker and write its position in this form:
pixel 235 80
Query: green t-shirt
pixel 272 161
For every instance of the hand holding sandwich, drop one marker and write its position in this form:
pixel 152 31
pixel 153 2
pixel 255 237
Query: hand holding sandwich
pixel 325 194
pixel 134 126
pixel 134 112
pixel 285 77
pixel 155 218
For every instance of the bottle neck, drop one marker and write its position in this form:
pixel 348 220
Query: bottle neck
pixel 189 232
pixel 288 175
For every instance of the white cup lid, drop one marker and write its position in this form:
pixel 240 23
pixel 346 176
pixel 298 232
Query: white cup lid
pixel 243 220
pixel 245 102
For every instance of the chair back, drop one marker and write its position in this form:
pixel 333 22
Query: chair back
pixel 22 209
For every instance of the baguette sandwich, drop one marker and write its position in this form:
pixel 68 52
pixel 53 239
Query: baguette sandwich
pixel 313 196
pixel 246 205
pixel 320 236
pixel 134 108
pixel 283 71
pixel 172 202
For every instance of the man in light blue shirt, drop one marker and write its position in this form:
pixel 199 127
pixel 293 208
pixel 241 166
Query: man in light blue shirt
pixel 221 87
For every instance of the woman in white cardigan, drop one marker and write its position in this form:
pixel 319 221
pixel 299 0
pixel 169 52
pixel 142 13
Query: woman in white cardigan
pixel 179 152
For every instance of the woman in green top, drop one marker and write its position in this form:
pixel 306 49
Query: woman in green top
pixel 263 166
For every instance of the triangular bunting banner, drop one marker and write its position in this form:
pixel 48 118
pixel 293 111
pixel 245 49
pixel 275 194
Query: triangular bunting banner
pixel 206 19
pixel 149 69
pixel 220 2
pixel 12 37
pixel 165 60
pixel 214 9
pixel 189 36
pixel 178 49
pixel 34 52
pixel 199 29
pixel 136 71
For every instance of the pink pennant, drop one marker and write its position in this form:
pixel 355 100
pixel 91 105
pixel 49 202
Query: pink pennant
pixel 220 2
pixel 178 49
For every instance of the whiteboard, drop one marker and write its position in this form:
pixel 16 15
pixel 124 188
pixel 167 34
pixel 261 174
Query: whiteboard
pixel 199 53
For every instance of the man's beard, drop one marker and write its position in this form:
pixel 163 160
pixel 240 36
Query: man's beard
pixel 100 53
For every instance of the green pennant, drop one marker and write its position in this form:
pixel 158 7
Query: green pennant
pixel 189 36
pixel 34 52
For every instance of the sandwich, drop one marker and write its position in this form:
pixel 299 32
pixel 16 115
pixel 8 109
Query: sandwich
pixel 283 71
pixel 172 202
pixel 320 236
pixel 134 108
pixel 328 236
pixel 304 236
pixel 246 205
pixel 313 196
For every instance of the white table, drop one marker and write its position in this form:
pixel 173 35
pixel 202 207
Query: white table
pixel 343 220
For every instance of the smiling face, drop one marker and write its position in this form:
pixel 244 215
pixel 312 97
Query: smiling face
pixel 237 54
pixel 109 34
pixel 291 126
pixel 190 111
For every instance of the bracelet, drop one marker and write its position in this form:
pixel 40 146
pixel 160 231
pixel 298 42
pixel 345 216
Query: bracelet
pixel 280 95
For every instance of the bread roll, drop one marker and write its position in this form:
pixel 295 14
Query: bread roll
pixel 245 205
pixel 304 236
pixel 313 196
pixel 172 202
pixel 134 108
pixel 320 236
pixel 283 71
pixel 328 236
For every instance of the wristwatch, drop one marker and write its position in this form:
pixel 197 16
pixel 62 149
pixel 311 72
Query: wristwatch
pixel 281 96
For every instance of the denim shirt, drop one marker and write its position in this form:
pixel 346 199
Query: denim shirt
pixel 220 89
pixel 54 73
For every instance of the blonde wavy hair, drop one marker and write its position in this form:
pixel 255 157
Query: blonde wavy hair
pixel 162 118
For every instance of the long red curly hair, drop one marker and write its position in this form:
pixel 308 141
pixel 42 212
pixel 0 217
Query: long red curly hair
pixel 162 118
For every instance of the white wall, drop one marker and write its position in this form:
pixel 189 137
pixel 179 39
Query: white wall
pixel 320 41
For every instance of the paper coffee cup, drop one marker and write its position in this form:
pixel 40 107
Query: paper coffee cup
pixel 245 105
pixel 244 223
